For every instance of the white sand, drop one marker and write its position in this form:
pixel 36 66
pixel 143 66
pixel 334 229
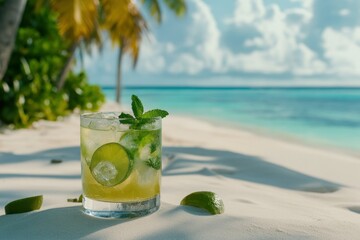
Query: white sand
pixel 272 189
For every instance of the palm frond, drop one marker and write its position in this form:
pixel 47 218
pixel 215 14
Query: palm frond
pixel 77 19
pixel 40 3
pixel 125 25
pixel 177 6
pixel 154 9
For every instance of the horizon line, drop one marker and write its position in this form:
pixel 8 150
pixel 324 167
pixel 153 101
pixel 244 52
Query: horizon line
pixel 229 87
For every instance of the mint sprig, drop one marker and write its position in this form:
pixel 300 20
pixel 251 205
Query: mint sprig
pixel 140 118
pixel 155 163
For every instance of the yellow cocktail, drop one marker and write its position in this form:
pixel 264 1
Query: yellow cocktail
pixel 121 165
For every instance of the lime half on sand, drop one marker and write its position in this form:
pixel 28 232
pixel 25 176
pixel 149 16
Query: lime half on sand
pixel 24 205
pixel 208 201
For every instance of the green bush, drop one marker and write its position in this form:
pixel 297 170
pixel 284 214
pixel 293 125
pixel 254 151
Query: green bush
pixel 27 91
pixel 82 95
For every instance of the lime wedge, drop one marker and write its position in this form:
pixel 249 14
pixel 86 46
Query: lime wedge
pixel 24 205
pixel 110 164
pixel 208 201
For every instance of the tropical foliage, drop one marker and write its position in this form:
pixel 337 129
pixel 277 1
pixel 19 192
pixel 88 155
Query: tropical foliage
pixel 34 85
pixel 80 23
pixel 28 90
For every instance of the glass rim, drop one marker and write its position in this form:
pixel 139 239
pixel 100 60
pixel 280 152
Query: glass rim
pixel 93 115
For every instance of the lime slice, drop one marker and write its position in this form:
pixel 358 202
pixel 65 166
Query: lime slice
pixel 110 164
pixel 24 205
pixel 208 201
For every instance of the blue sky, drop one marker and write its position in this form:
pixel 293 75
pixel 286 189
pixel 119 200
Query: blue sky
pixel 245 42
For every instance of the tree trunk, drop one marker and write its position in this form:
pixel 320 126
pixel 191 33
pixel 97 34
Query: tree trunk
pixel 118 80
pixel 65 70
pixel 11 12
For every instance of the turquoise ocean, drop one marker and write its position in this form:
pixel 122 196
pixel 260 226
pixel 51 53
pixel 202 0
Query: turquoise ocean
pixel 325 116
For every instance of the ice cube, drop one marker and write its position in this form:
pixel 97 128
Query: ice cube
pixel 145 152
pixel 105 171
pixel 152 126
pixel 130 140
pixel 100 124
pixel 146 175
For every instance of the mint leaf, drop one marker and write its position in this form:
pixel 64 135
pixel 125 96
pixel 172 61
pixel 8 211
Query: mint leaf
pixel 154 163
pixel 155 113
pixel 145 121
pixel 137 107
pixel 138 123
pixel 127 121
pixel 125 115
pixel 126 118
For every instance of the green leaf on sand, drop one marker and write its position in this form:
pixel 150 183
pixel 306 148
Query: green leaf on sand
pixel 56 161
pixel 137 107
pixel 76 200
pixel 24 205
pixel 208 201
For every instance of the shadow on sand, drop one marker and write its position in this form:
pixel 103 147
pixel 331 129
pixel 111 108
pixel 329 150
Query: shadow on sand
pixel 205 162
pixel 170 222
pixel 65 154
pixel 209 162
pixel 56 223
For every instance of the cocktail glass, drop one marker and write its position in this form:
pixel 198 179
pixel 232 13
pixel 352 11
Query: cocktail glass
pixel 120 166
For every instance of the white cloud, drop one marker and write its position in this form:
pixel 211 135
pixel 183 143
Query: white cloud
pixel 196 50
pixel 203 39
pixel 209 48
pixel 342 50
pixel 259 37
pixel 281 47
pixel 152 55
pixel 344 12
pixel 187 63
pixel 306 62
pixel 247 11
pixel 306 4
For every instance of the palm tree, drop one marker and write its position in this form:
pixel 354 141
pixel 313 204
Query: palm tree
pixel 153 6
pixel 79 21
pixel 11 12
pixel 127 30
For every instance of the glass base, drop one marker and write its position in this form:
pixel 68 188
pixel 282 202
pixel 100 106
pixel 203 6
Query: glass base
pixel 120 209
